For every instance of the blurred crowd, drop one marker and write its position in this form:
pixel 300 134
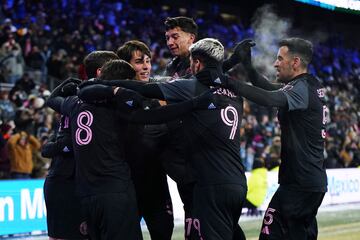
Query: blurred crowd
pixel 44 42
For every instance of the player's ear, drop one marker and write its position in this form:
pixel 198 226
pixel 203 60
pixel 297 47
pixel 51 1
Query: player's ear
pixel 197 65
pixel 297 62
pixel 192 37
pixel 98 72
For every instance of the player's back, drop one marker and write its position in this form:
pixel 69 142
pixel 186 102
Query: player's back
pixel 215 141
pixel 98 145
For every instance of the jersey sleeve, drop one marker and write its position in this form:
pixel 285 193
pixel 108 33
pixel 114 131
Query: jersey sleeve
pixel 59 146
pixel 132 108
pixel 297 95
pixel 68 105
pixel 178 90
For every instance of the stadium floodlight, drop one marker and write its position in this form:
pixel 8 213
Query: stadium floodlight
pixel 350 6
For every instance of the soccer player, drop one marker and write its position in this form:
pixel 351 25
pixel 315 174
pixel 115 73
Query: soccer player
pixel 139 56
pixel 152 190
pixel 180 33
pixel 300 98
pixel 102 175
pixel 95 60
pixel 63 206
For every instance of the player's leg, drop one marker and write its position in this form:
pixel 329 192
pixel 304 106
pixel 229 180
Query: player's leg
pixel 63 209
pixel 120 219
pixel 159 216
pixel 238 233
pixel 302 223
pixel 291 214
pixel 186 192
pixel 114 216
pixel 273 226
pixel 216 215
pixel 89 207
pixel 156 202
pixel 160 225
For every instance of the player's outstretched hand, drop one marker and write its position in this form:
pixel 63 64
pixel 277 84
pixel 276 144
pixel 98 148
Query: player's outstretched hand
pixel 205 100
pixel 96 93
pixel 70 89
pixel 242 52
pixel 71 80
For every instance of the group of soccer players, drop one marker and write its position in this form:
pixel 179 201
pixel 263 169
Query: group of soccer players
pixel 117 143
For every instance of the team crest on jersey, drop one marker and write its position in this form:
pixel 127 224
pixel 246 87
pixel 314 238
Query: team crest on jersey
pixel 287 88
pixel 321 92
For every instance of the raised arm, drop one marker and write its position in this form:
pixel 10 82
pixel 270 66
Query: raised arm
pixel 150 90
pixel 241 54
pixel 276 98
pixel 261 81
pixel 57 97
pixel 159 114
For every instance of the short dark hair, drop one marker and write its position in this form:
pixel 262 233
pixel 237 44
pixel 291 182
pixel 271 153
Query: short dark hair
pixel 186 24
pixel 125 51
pixel 117 69
pixel 95 60
pixel 299 46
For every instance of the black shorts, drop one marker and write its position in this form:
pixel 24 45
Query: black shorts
pixel 63 209
pixel 216 211
pixel 112 215
pixel 154 202
pixel 152 190
pixel 291 215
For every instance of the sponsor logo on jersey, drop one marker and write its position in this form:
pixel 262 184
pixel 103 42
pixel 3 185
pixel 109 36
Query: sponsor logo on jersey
pixel 130 103
pixel 217 80
pixel 66 149
pixel 211 106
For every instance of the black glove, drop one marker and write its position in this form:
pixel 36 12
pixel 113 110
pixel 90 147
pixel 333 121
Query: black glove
pixel 69 89
pixel 206 100
pixel 127 95
pixel 95 93
pixel 58 90
pixel 242 53
pixel 70 80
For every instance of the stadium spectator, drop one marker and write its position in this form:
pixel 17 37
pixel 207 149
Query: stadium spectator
pixel 12 61
pixel 5 133
pixel 64 211
pixel 21 146
pixel 7 108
